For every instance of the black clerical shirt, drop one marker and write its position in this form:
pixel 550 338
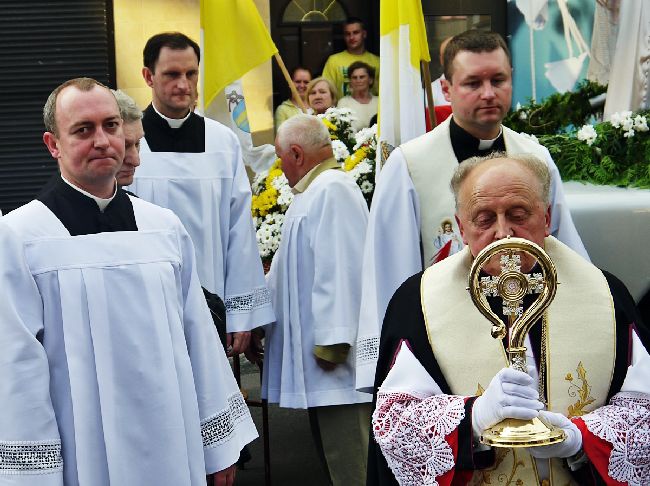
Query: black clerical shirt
pixel 466 145
pixel 80 214
pixel 160 137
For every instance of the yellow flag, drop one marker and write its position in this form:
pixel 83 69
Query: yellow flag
pixel 235 40
pixel 396 13
pixel 402 45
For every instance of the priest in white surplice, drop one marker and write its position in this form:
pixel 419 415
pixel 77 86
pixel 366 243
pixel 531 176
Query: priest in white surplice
pixel 315 282
pixel 112 372
pixel 193 166
pixel 412 199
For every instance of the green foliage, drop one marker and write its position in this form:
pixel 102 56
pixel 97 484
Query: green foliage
pixel 612 159
pixel 557 111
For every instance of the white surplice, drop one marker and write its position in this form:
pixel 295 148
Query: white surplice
pixel 211 195
pixel 112 372
pixel 315 283
pixel 393 248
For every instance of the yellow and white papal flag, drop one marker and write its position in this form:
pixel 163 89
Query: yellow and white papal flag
pixel 403 44
pixel 234 40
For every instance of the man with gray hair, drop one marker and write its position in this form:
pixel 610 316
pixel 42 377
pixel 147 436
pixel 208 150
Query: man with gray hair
pixel 315 283
pixel 442 380
pixel 133 132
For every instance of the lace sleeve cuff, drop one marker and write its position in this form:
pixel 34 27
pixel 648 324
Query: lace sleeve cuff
pixel 412 434
pixel 30 457
pixel 625 424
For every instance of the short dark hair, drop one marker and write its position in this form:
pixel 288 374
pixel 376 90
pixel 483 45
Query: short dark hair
pixel 361 65
pixel 301 68
pixel 473 41
pixel 173 40
pixel 354 20
pixel 49 110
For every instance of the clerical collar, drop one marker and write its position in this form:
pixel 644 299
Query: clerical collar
pixel 101 202
pixel 308 178
pixel 466 145
pixel 487 144
pixel 173 122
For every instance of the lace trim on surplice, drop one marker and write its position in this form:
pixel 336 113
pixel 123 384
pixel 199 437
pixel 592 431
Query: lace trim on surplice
pixel 367 350
pixel 625 423
pixel 411 434
pixel 220 427
pixel 30 457
pixel 255 299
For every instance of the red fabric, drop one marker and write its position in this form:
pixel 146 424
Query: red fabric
pixel 442 253
pixel 598 451
pixel 442 113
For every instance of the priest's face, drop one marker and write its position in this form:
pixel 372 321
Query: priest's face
pixel 480 91
pixel 90 142
pixel 174 81
pixel 133 132
pixel 501 198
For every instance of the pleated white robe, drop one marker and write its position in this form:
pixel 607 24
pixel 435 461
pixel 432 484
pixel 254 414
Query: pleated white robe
pixel 315 282
pixel 109 356
pixel 211 195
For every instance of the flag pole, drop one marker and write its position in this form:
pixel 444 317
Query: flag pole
pixel 287 77
pixel 427 88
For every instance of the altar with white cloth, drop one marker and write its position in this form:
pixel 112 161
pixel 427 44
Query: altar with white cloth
pixel 614 224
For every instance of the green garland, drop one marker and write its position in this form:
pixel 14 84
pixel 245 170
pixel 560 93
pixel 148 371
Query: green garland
pixel 600 154
pixel 557 111
pixel 612 159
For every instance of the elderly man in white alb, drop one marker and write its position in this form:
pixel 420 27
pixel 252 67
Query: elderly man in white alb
pixel 315 281
pixel 412 198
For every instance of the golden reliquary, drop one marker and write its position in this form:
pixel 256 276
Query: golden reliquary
pixel 512 284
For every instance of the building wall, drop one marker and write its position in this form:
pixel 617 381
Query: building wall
pixel 137 20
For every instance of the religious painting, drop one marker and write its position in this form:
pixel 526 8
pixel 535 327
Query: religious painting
pixel 447 241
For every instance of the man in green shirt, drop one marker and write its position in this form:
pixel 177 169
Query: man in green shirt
pixel 336 67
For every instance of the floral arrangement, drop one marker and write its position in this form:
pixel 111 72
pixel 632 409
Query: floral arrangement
pixel 272 194
pixel 610 153
pixel 271 199
pixel 557 111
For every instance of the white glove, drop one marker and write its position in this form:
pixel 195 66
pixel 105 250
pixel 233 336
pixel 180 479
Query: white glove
pixel 510 394
pixel 569 447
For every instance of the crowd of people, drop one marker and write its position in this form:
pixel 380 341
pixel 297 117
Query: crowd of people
pixel 135 272
pixel 349 80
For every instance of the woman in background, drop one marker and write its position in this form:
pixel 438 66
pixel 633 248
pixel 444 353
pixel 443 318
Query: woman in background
pixel 321 94
pixel 301 77
pixel 362 102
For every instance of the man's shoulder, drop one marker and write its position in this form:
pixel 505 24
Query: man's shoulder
pixel 30 220
pixel 152 215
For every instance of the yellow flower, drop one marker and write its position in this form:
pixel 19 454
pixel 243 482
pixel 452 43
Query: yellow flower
pixel 329 124
pixel 353 160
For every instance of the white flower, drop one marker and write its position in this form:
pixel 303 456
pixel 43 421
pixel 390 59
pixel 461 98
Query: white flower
pixel 628 124
pixel 366 187
pixel 523 116
pixel 340 150
pixel 587 134
pixel 280 181
pixel 529 136
pixel 363 167
pixel 640 123
pixel 366 136
pixel 259 178
pixel 619 118
pixel 629 133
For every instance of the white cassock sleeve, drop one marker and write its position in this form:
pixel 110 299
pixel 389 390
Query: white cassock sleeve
pixel 30 446
pixel 247 299
pixel 339 220
pixel 391 255
pixel 562 226
pixel 226 424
